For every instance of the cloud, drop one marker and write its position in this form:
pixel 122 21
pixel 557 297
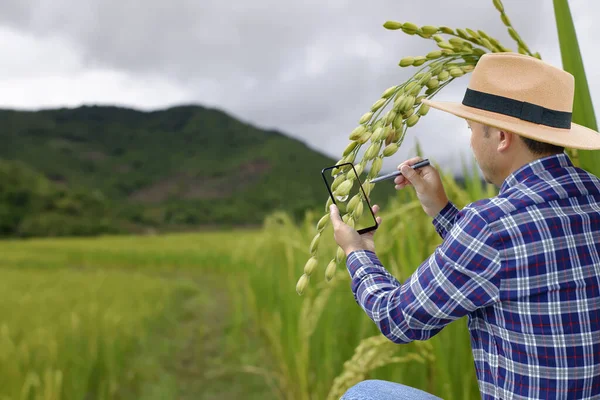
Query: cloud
pixel 309 69
pixel 48 73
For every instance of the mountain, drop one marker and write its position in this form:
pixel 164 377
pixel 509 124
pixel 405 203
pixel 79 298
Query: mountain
pixel 181 167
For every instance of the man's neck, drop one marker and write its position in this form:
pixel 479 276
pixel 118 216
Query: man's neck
pixel 522 160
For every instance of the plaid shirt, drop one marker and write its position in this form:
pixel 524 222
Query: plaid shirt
pixel 524 266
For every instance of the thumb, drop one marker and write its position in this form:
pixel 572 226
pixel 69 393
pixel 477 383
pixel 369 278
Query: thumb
pixel 334 214
pixel 413 176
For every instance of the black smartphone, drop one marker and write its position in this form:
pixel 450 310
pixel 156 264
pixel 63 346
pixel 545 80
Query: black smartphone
pixel 365 222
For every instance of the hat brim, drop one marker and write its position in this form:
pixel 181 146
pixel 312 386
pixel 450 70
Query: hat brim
pixel 578 137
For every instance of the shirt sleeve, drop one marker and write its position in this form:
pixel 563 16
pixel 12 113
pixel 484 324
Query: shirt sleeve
pixel 445 219
pixel 461 276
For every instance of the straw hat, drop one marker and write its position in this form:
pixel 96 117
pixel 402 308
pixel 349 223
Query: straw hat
pixel 523 95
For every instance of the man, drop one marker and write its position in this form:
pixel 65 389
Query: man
pixel 524 266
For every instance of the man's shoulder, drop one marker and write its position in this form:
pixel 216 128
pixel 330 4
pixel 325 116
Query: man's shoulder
pixel 536 192
pixel 549 186
pixel 491 209
pixel 497 212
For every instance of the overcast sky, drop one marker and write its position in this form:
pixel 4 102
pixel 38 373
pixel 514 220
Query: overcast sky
pixel 307 68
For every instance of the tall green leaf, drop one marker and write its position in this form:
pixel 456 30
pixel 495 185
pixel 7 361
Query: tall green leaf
pixel 583 110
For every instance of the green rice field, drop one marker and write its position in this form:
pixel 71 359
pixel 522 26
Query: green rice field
pixel 213 315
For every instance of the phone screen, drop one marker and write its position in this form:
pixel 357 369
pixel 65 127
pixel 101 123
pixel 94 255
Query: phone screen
pixel 358 199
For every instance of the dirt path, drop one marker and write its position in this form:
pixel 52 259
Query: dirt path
pixel 197 363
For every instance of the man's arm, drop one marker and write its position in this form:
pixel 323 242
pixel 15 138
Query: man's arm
pixel 461 276
pixel 445 219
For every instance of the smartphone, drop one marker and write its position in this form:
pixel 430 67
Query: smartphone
pixel 366 221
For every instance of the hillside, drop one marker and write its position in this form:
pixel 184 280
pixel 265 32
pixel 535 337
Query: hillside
pixel 31 205
pixel 184 166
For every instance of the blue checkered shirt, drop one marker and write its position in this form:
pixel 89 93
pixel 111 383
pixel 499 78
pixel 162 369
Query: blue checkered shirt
pixel 524 267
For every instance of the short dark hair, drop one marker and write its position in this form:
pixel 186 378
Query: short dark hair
pixel 540 147
pixel 533 145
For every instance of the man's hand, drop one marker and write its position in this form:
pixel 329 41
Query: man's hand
pixel 347 237
pixel 427 184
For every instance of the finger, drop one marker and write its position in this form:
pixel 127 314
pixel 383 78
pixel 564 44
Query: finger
pixel 372 233
pixel 410 161
pixel 334 214
pixel 413 177
pixel 401 180
pixel 375 208
pixel 403 185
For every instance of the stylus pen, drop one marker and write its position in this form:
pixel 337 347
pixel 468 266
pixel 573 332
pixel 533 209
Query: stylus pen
pixel 392 175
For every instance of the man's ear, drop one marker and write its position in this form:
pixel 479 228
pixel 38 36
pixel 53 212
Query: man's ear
pixel 505 139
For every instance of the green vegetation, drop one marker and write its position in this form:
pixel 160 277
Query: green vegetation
pixel 583 109
pixel 171 169
pixel 214 313
pixel 73 331
pixel 31 205
pixel 121 318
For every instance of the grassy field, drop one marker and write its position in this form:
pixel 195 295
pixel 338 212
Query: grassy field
pixel 212 315
pixel 117 318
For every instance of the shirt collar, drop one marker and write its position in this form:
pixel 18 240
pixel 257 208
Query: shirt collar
pixel 536 167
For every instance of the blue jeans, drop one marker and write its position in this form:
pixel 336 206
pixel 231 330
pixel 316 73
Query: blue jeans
pixel 383 390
